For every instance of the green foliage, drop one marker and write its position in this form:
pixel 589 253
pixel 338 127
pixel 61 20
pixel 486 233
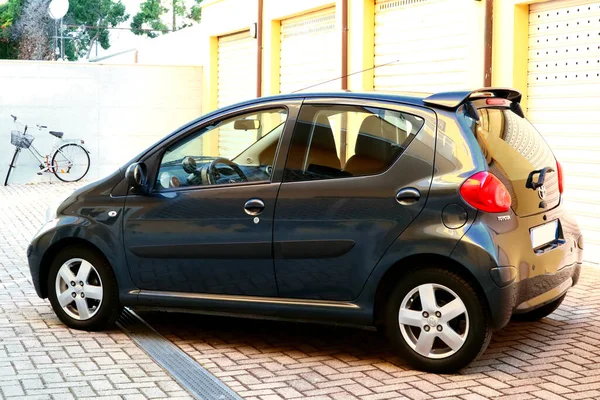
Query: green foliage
pixel 92 18
pixel 9 12
pixel 149 15
pixel 150 20
pixel 196 11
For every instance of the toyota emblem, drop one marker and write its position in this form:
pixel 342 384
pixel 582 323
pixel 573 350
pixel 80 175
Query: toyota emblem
pixel 542 192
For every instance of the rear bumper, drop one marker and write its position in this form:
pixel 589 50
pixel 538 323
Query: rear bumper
pixel 531 293
pixel 541 290
pixel 513 277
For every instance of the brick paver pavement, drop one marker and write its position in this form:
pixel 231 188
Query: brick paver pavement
pixel 39 357
pixel 556 358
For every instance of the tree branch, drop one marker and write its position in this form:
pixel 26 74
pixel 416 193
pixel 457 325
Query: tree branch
pixel 87 57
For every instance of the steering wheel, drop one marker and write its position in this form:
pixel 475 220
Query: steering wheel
pixel 213 174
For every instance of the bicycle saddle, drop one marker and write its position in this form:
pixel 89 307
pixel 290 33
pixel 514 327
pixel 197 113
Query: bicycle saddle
pixel 57 134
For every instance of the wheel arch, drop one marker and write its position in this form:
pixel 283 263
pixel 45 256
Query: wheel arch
pixel 412 263
pixel 55 249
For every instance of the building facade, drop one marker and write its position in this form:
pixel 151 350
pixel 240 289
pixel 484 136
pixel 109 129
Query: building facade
pixel 549 50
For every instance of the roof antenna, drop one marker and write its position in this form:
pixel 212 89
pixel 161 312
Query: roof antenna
pixel 345 76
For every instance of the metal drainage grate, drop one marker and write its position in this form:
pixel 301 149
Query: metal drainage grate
pixel 200 383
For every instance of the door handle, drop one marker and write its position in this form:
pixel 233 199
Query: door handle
pixel 254 207
pixel 408 196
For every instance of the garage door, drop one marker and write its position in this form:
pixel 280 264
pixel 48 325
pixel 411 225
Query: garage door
pixel 428 53
pixel 310 52
pixel 564 102
pixel 236 81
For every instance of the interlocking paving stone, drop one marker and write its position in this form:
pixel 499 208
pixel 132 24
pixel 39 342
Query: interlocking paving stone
pixel 39 357
pixel 556 358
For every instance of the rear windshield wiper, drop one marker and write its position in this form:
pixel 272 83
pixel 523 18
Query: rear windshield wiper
pixel 530 184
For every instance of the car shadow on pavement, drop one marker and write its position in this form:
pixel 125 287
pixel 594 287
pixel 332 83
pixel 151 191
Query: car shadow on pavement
pixel 205 337
pixel 301 339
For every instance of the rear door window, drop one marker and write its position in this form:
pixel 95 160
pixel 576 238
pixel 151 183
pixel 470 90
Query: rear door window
pixel 347 141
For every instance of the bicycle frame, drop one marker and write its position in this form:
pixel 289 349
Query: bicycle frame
pixel 43 159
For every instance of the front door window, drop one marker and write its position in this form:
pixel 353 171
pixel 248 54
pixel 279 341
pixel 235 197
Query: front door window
pixel 234 150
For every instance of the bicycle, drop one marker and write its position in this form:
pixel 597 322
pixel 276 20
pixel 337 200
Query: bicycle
pixel 69 162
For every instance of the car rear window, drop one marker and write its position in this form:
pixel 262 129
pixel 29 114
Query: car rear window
pixel 514 151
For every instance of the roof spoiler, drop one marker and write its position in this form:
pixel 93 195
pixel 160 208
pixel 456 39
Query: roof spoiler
pixel 452 100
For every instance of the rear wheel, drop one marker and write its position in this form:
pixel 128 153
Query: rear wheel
pixel 436 322
pixel 82 289
pixel 541 312
pixel 71 162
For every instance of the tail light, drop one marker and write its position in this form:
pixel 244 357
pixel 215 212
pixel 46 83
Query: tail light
pixel 485 192
pixel 559 171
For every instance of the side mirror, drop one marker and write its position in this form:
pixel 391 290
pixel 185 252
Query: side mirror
pixel 136 175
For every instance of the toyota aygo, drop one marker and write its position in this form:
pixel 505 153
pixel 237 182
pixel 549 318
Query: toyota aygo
pixel 433 218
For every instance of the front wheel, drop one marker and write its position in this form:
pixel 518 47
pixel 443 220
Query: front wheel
pixel 436 322
pixel 71 162
pixel 83 290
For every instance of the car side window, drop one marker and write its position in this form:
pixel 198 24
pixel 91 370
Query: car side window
pixel 346 141
pixel 233 150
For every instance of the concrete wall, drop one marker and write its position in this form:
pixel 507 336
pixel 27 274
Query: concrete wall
pixel 121 57
pixel 186 46
pixel 118 110
pixel 183 47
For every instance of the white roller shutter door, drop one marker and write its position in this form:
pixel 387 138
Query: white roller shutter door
pixel 236 81
pixel 310 52
pixel 431 44
pixel 564 102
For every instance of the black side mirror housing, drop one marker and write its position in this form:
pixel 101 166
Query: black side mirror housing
pixel 137 176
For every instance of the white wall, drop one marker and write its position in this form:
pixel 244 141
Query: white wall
pixel 118 110
pixel 186 46
pixel 183 47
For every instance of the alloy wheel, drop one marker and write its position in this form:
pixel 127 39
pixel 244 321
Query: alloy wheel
pixel 79 289
pixel 434 321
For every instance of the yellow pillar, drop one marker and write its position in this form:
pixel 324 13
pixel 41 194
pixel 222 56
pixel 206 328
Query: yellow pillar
pixel 361 42
pixel 211 142
pixel 511 45
pixel 273 56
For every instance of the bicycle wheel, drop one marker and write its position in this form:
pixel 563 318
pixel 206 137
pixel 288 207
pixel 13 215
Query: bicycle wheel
pixel 70 162
pixel 12 164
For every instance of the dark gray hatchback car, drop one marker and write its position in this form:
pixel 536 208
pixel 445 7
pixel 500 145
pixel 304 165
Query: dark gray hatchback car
pixel 432 218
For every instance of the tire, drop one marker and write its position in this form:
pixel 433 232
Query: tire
pixel 82 164
pixel 468 321
pixel 99 282
pixel 539 313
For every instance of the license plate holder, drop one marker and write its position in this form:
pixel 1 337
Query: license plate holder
pixel 543 234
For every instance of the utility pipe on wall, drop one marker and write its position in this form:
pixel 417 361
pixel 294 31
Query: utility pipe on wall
pixel 259 49
pixel 344 44
pixel 488 45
